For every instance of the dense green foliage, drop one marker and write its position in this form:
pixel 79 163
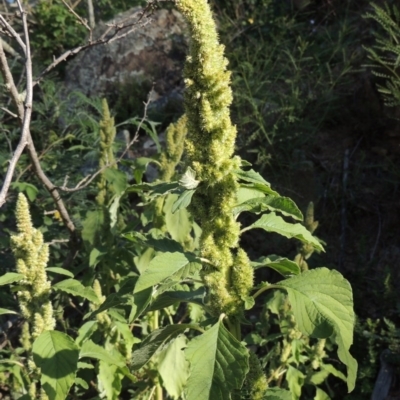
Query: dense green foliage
pixel 163 296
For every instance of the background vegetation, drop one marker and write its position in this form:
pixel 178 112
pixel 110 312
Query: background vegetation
pixel 316 104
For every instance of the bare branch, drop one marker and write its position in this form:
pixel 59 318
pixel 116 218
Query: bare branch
pixel 12 33
pixel 110 35
pixel 77 16
pixel 10 85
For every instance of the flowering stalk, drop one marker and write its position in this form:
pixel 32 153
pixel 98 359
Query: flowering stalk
pixel 32 255
pixel 210 146
pixel 107 136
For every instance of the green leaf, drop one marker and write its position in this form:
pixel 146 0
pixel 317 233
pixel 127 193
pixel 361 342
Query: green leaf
pixel 218 365
pixel 259 187
pixel 251 176
pixel 140 166
pixel 182 201
pixel 113 211
pixel 280 264
pixel 274 223
pixel 81 382
pixel 321 395
pixel 173 367
pixel 92 225
pixel 74 287
pixel 92 350
pixel 244 194
pixel 109 379
pixel 30 190
pixel 161 267
pixel 4 311
pixel 127 334
pixel 139 303
pixel 322 303
pixel 164 244
pixel 86 331
pixel 61 271
pixel 153 342
pixel 277 394
pixel 295 380
pixel 169 298
pixel 10 277
pixel 284 205
pixel 178 224
pixel 188 180
pixel 56 354
pixel 117 179
pixel 156 188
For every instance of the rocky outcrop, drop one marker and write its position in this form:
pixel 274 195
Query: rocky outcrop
pixel 153 54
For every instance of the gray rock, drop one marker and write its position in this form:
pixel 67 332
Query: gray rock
pixel 154 53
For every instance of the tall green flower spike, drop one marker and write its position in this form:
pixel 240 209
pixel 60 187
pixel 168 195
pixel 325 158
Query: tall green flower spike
pixel 32 255
pixel 210 146
pixel 107 137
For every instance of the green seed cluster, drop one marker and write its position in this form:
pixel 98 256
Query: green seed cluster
pixel 210 145
pixel 32 255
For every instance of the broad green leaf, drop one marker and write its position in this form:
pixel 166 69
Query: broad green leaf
pixel 156 188
pixel 321 395
pixel 117 179
pixel 182 201
pixel 61 271
pixel 280 264
pixel 86 331
pixel 162 244
pixel 173 367
pixel 92 350
pixel 56 354
pixel 318 377
pixel 109 381
pixel 188 180
pixel 81 382
pixel 10 277
pixel 251 176
pixel 161 267
pixel 178 224
pixel 92 225
pixel 153 342
pixel 284 205
pixel 95 256
pixel 127 334
pixel 277 394
pixel 322 302
pixel 112 300
pixel 167 299
pixel 4 311
pixel 139 302
pixel 218 365
pixel 259 187
pixel 295 380
pixel 140 166
pixel 74 287
pixel 113 211
pixel 244 194
pixel 274 223
pixel 30 190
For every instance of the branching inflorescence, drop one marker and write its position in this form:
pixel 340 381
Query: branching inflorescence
pixel 32 255
pixel 210 146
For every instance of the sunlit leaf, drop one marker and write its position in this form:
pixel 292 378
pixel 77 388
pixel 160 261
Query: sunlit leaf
pixel 56 354
pixel 274 223
pixel 322 303
pixel 218 365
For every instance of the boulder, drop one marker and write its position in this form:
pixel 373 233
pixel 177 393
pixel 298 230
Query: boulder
pixel 152 55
